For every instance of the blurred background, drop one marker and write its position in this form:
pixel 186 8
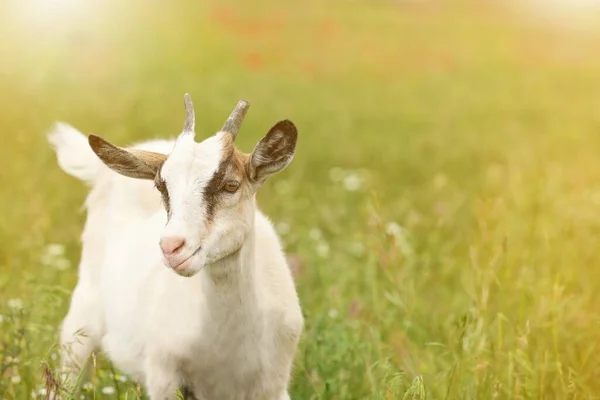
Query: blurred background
pixel 441 214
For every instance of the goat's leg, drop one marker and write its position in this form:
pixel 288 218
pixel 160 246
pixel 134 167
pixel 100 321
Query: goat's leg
pixel 81 331
pixel 162 380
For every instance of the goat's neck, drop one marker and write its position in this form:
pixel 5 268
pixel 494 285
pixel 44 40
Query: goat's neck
pixel 230 282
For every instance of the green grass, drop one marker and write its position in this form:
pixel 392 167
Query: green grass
pixel 443 208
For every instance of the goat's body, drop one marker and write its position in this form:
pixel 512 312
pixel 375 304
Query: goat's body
pixel 228 332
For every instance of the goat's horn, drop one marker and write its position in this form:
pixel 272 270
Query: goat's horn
pixel 234 122
pixel 190 119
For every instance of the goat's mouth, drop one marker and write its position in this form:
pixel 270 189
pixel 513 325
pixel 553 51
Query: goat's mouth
pixel 186 263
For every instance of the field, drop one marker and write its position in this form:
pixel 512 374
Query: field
pixel 442 214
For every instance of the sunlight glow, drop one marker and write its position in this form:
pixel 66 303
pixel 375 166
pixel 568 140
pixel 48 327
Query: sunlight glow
pixel 569 6
pixel 51 11
pixel 571 14
pixel 576 3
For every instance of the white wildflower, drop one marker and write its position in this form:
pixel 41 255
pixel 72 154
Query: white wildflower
pixel 42 392
pixel 88 386
pixel 16 379
pixel 353 182
pixel 393 229
pixel 53 356
pixel 15 304
pixel 122 378
pixel 322 249
pixel 333 313
pixel 315 234
pixel 400 237
pixel 54 256
pixel 108 390
pixel 55 249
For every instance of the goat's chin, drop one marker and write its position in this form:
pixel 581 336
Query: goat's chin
pixel 196 264
pixel 189 272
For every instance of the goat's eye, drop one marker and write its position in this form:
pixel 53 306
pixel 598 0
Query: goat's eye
pixel 231 186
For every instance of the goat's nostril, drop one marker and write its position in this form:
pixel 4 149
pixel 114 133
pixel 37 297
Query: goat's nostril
pixel 173 244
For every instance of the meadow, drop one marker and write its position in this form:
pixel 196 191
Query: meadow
pixel 441 215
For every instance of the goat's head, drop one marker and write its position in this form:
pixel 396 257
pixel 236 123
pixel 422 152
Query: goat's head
pixel 207 188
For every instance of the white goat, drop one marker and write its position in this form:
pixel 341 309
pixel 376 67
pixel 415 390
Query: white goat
pixel 223 320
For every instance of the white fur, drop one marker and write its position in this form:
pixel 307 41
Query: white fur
pixel 230 331
pixel 75 156
pixel 187 171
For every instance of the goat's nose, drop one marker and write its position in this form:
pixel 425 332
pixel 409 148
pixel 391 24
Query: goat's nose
pixel 172 244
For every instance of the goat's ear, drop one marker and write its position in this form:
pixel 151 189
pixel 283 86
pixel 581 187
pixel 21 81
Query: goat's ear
pixel 274 151
pixel 133 163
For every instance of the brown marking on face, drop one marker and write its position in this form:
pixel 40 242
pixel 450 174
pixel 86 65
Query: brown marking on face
pixel 233 166
pixel 161 185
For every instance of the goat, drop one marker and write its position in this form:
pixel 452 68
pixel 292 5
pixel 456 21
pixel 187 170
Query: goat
pixel 223 320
